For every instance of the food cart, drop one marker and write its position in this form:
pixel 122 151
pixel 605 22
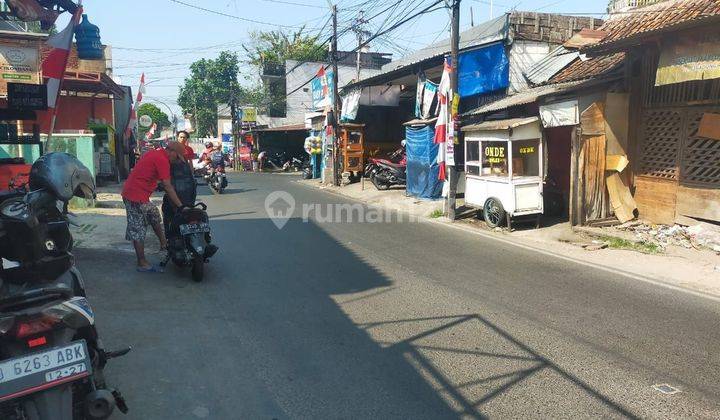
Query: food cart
pixel 504 169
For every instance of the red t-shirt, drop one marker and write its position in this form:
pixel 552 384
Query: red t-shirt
pixel 189 154
pixel 152 167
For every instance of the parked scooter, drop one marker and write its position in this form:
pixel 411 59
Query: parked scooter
pixel 384 173
pixel 51 358
pixel 187 229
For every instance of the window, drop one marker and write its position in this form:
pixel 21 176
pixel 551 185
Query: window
pixel 472 157
pixel 494 158
pixel 525 155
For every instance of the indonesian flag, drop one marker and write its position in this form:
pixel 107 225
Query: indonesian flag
pixel 53 67
pixel 133 112
pixel 151 132
pixel 441 126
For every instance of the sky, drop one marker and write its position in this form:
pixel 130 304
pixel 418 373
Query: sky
pixel 162 37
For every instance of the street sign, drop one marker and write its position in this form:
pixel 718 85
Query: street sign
pixel 145 121
pixel 24 96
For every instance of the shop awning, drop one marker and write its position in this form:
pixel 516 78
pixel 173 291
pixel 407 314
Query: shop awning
pixel 500 124
pixel 292 127
pixel 91 82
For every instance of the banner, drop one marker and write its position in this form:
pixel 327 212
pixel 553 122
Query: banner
pixel 688 59
pixel 322 88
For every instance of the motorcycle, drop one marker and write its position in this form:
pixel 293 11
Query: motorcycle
pixel 187 229
pixel 217 180
pixel 295 164
pixel 384 173
pixel 52 360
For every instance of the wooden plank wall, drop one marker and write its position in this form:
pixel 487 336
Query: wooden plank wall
pixel 656 199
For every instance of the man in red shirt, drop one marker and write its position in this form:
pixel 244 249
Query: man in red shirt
pixel 153 167
pixel 189 154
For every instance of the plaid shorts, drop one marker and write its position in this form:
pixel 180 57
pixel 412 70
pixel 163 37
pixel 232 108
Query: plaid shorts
pixel 139 216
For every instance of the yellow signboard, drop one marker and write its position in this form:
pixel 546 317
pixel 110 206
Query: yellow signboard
pixel 249 115
pixel 688 59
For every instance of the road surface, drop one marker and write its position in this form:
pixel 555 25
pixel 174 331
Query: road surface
pixel 393 319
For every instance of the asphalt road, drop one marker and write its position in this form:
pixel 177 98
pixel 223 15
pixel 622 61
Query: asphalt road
pixel 394 319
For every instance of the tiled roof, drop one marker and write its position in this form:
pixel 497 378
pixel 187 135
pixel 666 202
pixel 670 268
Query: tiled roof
pixel 635 24
pixel 590 68
pixel 521 98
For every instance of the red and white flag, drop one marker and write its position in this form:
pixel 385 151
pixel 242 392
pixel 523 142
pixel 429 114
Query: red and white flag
pixel 132 123
pixel 151 132
pixel 53 67
pixel 441 126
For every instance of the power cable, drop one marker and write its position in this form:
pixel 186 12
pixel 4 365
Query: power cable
pixel 259 22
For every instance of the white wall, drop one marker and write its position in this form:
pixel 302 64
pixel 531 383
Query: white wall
pixel 524 54
pixel 300 102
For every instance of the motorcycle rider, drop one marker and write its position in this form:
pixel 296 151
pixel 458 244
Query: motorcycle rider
pixel 154 166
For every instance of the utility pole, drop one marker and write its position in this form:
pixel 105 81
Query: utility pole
pixel 361 34
pixel 454 46
pixel 335 107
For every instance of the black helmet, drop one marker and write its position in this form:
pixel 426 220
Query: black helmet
pixel 63 175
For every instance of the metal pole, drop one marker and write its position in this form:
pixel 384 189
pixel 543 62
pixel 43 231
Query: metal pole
pixel 335 107
pixel 454 46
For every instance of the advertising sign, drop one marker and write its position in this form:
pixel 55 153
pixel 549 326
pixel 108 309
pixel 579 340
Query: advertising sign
pixel 24 96
pixel 322 88
pixel 688 59
pixel 249 115
pixel 18 64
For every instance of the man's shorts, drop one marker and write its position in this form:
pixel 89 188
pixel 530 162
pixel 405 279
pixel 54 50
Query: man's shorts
pixel 139 216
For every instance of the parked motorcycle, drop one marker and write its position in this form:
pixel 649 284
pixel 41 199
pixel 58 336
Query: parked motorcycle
pixel 384 173
pixel 51 358
pixel 187 229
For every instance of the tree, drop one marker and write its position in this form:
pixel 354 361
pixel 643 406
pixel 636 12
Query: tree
pixel 275 47
pixel 213 82
pixel 158 116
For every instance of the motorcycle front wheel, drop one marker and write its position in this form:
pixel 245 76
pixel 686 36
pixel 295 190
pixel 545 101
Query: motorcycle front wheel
pixel 378 184
pixel 198 268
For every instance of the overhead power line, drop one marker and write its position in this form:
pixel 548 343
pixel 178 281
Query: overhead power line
pixel 216 12
pixel 296 4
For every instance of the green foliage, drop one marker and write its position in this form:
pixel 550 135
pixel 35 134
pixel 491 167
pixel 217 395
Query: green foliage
pixel 158 116
pixel 274 47
pixel 614 242
pixel 214 82
pixel 436 214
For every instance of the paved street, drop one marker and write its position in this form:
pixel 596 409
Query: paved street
pixel 393 320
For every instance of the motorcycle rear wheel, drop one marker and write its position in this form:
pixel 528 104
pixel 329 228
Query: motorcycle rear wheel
pixel 198 268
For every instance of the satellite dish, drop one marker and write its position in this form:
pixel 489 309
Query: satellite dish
pixel 145 121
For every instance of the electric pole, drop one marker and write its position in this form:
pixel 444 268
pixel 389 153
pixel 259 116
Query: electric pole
pixel 361 34
pixel 454 46
pixel 335 107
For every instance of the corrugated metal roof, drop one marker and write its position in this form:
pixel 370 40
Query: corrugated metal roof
pixel 500 124
pixel 485 33
pixel 549 66
pixel 624 28
pixel 590 68
pixel 522 98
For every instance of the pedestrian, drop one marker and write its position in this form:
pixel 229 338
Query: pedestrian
pixel 184 138
pixel 254 159
pixel 153 167
pixel 261 159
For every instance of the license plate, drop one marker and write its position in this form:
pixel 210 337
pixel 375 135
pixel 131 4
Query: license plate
pixel 35 372
pixel 194 228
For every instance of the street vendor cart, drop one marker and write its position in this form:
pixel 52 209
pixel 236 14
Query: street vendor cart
pixel 504 169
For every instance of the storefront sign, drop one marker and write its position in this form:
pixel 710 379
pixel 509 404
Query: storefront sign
pixel 495 154
pixel 249 114
pixel 527 150
pixel 18 64
pixel 25 96
pixel 688 59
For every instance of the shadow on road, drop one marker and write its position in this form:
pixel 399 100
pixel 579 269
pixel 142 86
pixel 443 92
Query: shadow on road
pixel 264 337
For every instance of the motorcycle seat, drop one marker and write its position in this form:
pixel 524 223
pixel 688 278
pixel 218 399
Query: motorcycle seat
pixel 392 164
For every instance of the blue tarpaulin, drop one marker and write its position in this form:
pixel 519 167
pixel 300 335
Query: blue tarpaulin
pixel 483 70
pixel 422 166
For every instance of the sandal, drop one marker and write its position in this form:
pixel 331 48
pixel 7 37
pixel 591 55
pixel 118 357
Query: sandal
pixel 151 269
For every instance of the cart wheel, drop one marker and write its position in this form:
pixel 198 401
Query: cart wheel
pixel 493 212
